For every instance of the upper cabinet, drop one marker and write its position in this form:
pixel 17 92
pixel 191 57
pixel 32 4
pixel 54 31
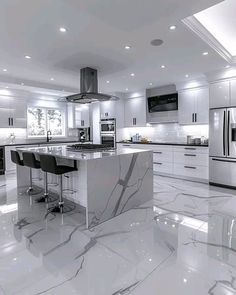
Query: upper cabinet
pixel 220 94
pixel 194 106
pixel 113 109
pixel 135 112
pixel 13 113
pixel 233 92
pixel 78 116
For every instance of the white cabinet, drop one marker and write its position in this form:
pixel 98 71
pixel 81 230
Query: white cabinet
pixel 194 106
pixel 78 116
pixel 233 93
pixel 186 107
pixel 113 109
pixel 135 112
pixel 178 161
pixel 220 94
pixel 9 165
pixel 13 113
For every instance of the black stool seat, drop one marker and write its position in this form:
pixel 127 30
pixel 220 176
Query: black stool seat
pixel 30 160
pixel 48 164
pixel 15 157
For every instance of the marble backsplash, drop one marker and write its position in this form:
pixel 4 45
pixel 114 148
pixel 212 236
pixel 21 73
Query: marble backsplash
pixel 165 132
pixel 19 135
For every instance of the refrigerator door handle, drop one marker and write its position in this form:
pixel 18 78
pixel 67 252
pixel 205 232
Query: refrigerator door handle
pixel 228 123
pixel 224 139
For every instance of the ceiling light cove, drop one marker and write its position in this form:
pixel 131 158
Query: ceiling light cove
pixel 172 28
pixel 63 30
pixel 27 57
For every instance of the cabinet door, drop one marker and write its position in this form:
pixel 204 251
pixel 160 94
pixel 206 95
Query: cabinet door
pixel 82 116
pixel 108 109
pixel 18 114
pixel 135 112
pixel 233 93
pixel 202 105
pixel 187 107
pixel 220 94
pixel 5 112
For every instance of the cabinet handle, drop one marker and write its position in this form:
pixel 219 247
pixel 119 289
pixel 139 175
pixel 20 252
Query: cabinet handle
pixel 82 122
pixel 158 163
pixel 190 167
pixel 190 155
pixel 192 149
pixel 12 122
pixel 126 144
pixel 192 117
pixel 157 152
pixel 9 122
pixel 195 117
pixel 134 121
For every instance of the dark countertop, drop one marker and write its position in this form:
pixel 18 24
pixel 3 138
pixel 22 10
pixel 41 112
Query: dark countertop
pixel 165 143
pixel 39 142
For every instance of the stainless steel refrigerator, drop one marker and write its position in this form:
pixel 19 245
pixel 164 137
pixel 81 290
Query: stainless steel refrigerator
pixel 222 141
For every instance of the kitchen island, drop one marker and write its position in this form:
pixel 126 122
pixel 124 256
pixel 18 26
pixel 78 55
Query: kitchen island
pixel 106 184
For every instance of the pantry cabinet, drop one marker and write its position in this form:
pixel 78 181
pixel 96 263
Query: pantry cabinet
pixel 194 106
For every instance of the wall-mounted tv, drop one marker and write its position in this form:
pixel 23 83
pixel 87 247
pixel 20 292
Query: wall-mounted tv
pixel 163 103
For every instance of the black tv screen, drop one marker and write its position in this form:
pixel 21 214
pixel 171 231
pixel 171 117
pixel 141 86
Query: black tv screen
pixel 163 103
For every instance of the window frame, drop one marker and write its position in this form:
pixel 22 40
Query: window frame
pixel 46 109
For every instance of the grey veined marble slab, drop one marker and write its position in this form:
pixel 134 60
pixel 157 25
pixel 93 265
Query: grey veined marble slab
pixel 106 183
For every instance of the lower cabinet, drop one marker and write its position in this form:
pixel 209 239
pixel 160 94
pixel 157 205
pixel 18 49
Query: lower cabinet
pixel 178 161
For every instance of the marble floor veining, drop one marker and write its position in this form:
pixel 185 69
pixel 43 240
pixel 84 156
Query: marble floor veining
pixel 182 242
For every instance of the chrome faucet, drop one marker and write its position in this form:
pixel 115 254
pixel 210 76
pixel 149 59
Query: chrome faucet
pixel 49 135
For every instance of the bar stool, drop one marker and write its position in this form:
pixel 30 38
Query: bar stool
pixel 15 158
pixel 30 161
pixel 48 164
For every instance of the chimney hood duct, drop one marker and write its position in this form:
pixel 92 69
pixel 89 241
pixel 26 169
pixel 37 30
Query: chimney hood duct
pixel 89 89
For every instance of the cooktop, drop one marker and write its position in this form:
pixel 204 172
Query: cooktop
pixel 89 147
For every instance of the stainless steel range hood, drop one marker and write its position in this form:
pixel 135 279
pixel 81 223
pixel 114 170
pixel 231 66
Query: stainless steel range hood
pixel 89 89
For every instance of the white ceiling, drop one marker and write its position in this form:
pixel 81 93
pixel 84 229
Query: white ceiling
pixel 220 21
pixel 98 30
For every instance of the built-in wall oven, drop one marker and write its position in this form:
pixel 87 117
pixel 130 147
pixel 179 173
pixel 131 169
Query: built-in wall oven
pixel 2 160
pixel 108 132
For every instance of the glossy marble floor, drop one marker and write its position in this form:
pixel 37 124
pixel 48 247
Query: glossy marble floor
pixel 183 242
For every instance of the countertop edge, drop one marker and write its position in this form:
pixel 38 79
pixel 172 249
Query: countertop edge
pixel 165 143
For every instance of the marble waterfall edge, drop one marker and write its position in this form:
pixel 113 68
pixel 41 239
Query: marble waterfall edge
pixel 118 184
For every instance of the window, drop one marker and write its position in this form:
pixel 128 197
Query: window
pixel 40 120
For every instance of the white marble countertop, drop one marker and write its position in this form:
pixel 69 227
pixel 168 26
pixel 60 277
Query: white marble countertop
pixel 61 151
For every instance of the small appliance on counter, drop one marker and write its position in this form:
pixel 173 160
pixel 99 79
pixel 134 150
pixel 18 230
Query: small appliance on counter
pixel 84 134
pixel 136 138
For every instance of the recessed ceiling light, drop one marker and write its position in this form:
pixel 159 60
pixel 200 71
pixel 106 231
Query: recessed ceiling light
pixel 63 30
pixel 7 87
pixel 27 57
pixel 186 75
pixel 22 84
pixel 227 67
pixel 150 83
pixel 132 74
pixel 108 81
pixel 52 79
pixel 172 28
pixel 127 47
pixel 163 66
pixel 205 53
pixel 126 89
pixel 4 70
